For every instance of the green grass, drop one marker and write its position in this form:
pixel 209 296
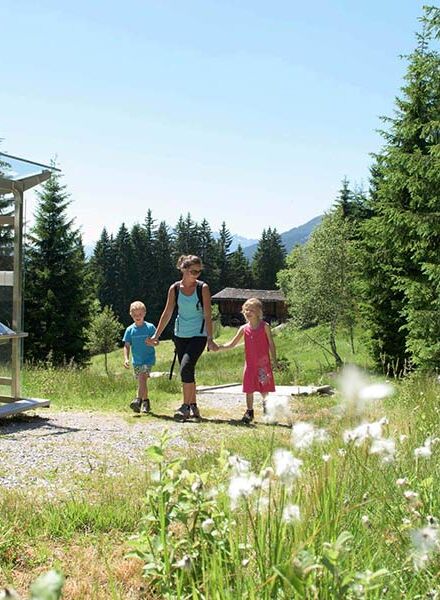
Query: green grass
pixel 36 533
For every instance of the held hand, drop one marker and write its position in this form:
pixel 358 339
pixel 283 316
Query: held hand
pixel 212 346
pixel 127 363
pixel 152 341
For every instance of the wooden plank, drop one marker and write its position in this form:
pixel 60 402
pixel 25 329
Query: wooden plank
pixel 4 220
pixel 21 405
pixel 5 380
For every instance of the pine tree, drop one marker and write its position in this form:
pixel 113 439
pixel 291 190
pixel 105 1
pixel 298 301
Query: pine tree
pixel 240 270
pixel 102 267
pixel 57 292
pixel 268 259
pixel 208 251
pixel 186 237
pixel 124 292
pixel 404 233
pixel 224 257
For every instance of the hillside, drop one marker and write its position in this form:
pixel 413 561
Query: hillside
pixel 297 235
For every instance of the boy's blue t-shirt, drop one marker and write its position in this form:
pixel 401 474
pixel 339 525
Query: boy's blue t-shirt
pixel 141 354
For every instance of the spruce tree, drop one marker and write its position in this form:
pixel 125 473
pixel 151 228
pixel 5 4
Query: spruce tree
pixel 268 259
pixel 224 257
pixel 240 270
pixel 166 273
pixel 102 266
pixel 57 298
pixel 124 292
pixel 403 236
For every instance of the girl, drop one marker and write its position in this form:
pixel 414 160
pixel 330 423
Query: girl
pixel 259 349
pixel 192 328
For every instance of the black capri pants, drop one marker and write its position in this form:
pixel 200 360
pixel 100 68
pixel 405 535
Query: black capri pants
pixel 189 351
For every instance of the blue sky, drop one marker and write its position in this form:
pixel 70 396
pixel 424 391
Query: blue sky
pixel 249 112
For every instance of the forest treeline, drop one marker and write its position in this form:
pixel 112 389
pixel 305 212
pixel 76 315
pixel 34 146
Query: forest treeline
pixel 373 261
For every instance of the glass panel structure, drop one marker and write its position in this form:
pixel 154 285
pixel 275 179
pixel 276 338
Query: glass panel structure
pixel 17 175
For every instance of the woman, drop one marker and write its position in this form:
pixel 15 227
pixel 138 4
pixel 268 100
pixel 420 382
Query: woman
pixel 192 328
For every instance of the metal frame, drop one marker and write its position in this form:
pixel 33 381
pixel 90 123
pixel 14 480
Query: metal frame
pixel 17 187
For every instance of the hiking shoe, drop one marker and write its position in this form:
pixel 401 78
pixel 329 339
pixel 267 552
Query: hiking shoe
pixel 248 416
pixel 135 405
pixel 145 409
pixel 182 413
pixel 194 410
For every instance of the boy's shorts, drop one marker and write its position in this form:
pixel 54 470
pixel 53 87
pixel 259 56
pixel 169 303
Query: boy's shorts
pixel 138 369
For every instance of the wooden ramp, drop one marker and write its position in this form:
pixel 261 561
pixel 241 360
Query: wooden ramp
pixel 18 406
pixel 280 390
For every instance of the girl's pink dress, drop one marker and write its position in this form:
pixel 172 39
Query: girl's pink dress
pixel 257 375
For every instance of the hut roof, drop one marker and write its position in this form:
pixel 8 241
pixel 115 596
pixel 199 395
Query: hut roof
pixel 230 293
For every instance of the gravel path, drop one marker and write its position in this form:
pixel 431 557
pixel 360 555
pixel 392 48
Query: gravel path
pixel 46 450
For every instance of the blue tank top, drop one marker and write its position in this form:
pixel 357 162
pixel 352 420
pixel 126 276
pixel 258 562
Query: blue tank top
pixel 189 316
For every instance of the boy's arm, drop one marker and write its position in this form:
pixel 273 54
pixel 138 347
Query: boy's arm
pixel 126 355
pixel 237 337
pixel 272 349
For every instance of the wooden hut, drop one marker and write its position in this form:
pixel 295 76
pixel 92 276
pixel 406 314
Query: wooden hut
pixel 230 301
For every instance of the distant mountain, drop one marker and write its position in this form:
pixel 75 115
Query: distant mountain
pixel 291 238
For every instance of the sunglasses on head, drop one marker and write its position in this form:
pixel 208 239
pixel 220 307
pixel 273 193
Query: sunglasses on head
pixel 195 271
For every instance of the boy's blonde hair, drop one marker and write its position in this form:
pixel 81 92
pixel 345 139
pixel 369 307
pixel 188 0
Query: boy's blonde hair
pixel 137 305
pixel 254 303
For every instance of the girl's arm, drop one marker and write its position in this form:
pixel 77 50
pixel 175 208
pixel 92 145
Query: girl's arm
pixel 165 317
pixel 237 337
pixel 207 313
pixel 272 349
pixel 127 355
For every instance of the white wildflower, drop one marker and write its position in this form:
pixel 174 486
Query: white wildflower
pixel 291 513
pixel 238 465
pixel 402 481
pixel 365 520
pixel 385 448
pixel 342 452
pixel 184 563
pixel 410 496
pixel 208 525
pixel 363 432
pixel 376 391
pixel 197 486
pixel 305 434
pixel 245 562
pixel 242 486
pixel 422 452
pixel 402 438
pixel 277 409
pixel 267 473
pixel 425 541
pixel 326 457
pixel 287 467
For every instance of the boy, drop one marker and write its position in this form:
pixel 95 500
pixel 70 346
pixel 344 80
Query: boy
pixel 143 356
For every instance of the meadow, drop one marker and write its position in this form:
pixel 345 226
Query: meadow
pixel 344 504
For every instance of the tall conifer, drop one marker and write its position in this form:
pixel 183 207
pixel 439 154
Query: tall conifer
pixel 57 298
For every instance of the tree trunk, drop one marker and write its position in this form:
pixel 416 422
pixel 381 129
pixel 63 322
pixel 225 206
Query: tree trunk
pixel 338 359
pixel 106 363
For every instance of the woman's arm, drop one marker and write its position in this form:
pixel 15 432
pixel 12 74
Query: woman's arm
pixel 237 337
pixel 272 349
pixel 165 316
pixel 207 313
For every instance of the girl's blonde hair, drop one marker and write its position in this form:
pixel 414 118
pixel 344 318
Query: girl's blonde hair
pixel 255 304
pixel 137 305
pixel 188 261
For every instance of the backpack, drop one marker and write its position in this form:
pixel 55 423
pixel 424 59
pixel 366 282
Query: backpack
pixel 199 306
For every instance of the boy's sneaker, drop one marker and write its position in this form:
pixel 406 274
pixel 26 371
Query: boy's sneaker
pixel 145 409
pixel 182 413
pixel 194 410
pixel 248 416
pixel 135 405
